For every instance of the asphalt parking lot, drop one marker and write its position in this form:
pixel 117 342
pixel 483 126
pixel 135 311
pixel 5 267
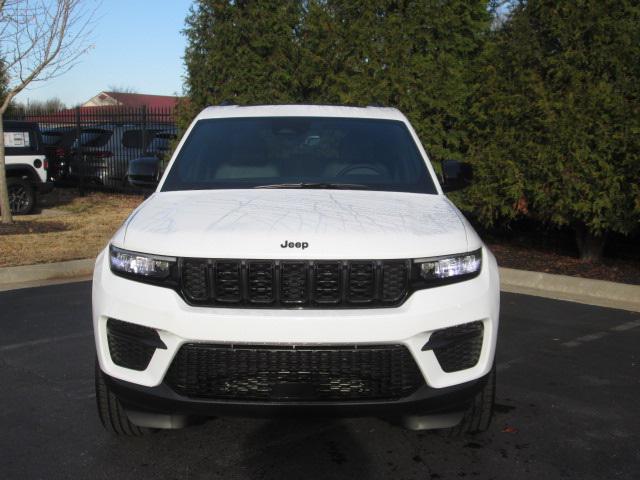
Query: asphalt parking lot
pixel 568 393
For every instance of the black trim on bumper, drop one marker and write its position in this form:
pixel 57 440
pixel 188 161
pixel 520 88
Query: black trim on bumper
pixel 427 400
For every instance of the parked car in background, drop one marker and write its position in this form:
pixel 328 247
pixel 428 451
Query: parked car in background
pixel 146 171
pixel 106 150
pixel 26 165
pixel 58 143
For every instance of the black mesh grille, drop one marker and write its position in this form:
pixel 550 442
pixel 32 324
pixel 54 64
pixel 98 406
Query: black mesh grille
pixel 294 373
pixel 327 283
pixel 394 281
pixel 362 282
pixel 260 279
pixel 194 279
pixel 228 281
pixel 458 347
pixel 131 346
pixel 293 282
pixel 302 284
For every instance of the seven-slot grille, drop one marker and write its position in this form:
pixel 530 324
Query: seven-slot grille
pixel 291 283
pixel 294 373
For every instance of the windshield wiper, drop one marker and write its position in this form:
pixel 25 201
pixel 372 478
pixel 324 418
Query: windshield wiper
pixel 318 185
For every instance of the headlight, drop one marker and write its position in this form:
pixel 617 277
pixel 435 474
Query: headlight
pixel 140 265
pixel 448 269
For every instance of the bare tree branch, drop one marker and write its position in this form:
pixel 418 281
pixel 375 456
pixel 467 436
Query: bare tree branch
pixel 39 40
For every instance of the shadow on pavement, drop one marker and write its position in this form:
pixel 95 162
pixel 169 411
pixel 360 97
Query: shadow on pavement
pixel 304 448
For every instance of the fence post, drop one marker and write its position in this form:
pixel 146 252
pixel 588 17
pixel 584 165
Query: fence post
pixel 144 131
pixel 79 159
pixel 144 128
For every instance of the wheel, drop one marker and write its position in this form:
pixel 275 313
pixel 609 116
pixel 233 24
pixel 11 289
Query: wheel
pixel 112 415
pixel 22 196
pixel 477 418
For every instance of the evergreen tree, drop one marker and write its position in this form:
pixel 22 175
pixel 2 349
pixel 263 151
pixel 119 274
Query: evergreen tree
pixel 555 124
pixel 241 51
pixel 414 55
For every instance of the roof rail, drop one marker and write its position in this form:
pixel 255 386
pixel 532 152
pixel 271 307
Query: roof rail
pixel 227 103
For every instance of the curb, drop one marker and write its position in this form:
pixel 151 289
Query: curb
pixel 34 275
pixel 560 287
pixel 574 289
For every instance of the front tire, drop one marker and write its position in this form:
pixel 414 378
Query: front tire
pixel 22 196
pixel 477 418
pixel 112 415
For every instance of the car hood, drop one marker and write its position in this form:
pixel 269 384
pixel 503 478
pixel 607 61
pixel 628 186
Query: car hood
pixel 333 224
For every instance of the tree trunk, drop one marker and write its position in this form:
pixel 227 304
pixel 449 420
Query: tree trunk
pixel 4 192
pixel 590 245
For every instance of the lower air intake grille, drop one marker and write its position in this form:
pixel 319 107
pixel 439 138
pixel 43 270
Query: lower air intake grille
pixel 132 346
pixel 306 373
pixel 457 348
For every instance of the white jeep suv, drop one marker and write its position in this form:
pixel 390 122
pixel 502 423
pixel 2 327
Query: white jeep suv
pixel 296 260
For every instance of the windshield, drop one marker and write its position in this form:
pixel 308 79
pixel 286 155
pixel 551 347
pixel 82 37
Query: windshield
pixel 299 152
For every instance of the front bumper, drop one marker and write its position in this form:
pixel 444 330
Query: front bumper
pixel 426 401
pixel 410 324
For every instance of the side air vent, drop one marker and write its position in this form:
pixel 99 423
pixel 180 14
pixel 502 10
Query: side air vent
pixel 130 345
pixel 457 348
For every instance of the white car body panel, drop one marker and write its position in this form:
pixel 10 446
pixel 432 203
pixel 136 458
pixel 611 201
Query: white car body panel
pixel 28 160
pixel 336 224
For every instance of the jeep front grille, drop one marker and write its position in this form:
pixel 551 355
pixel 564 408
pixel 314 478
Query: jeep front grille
pixel 290 283
pixel 294 373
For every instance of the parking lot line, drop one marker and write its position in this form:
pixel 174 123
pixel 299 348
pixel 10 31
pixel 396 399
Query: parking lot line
pixel 598 335
pixel 61 338
pixel 626 326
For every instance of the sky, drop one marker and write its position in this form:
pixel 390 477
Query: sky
pixel 137 44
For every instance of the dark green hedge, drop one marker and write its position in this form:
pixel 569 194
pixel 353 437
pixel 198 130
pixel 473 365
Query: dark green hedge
pixel 542 98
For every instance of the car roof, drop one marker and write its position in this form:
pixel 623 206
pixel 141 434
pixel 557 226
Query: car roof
pixel 11 124
pixel 235 111
pixel 128 126
pixel 58 130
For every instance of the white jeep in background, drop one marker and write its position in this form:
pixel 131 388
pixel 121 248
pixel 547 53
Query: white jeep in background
pixel 297 260
pixel 26 165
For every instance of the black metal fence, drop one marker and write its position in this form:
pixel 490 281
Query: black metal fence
pixel 96 147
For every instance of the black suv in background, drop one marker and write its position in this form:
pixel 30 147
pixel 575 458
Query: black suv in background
pixel 145 171
pixel 106 151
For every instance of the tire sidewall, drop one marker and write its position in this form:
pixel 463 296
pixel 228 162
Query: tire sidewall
pixel 14 183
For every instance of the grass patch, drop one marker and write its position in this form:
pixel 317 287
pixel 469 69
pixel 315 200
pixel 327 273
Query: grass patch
pixel 69 227
pixel 25 227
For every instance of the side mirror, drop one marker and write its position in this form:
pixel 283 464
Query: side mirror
pixel 144 172
pixel 145 183
pixel 456 175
